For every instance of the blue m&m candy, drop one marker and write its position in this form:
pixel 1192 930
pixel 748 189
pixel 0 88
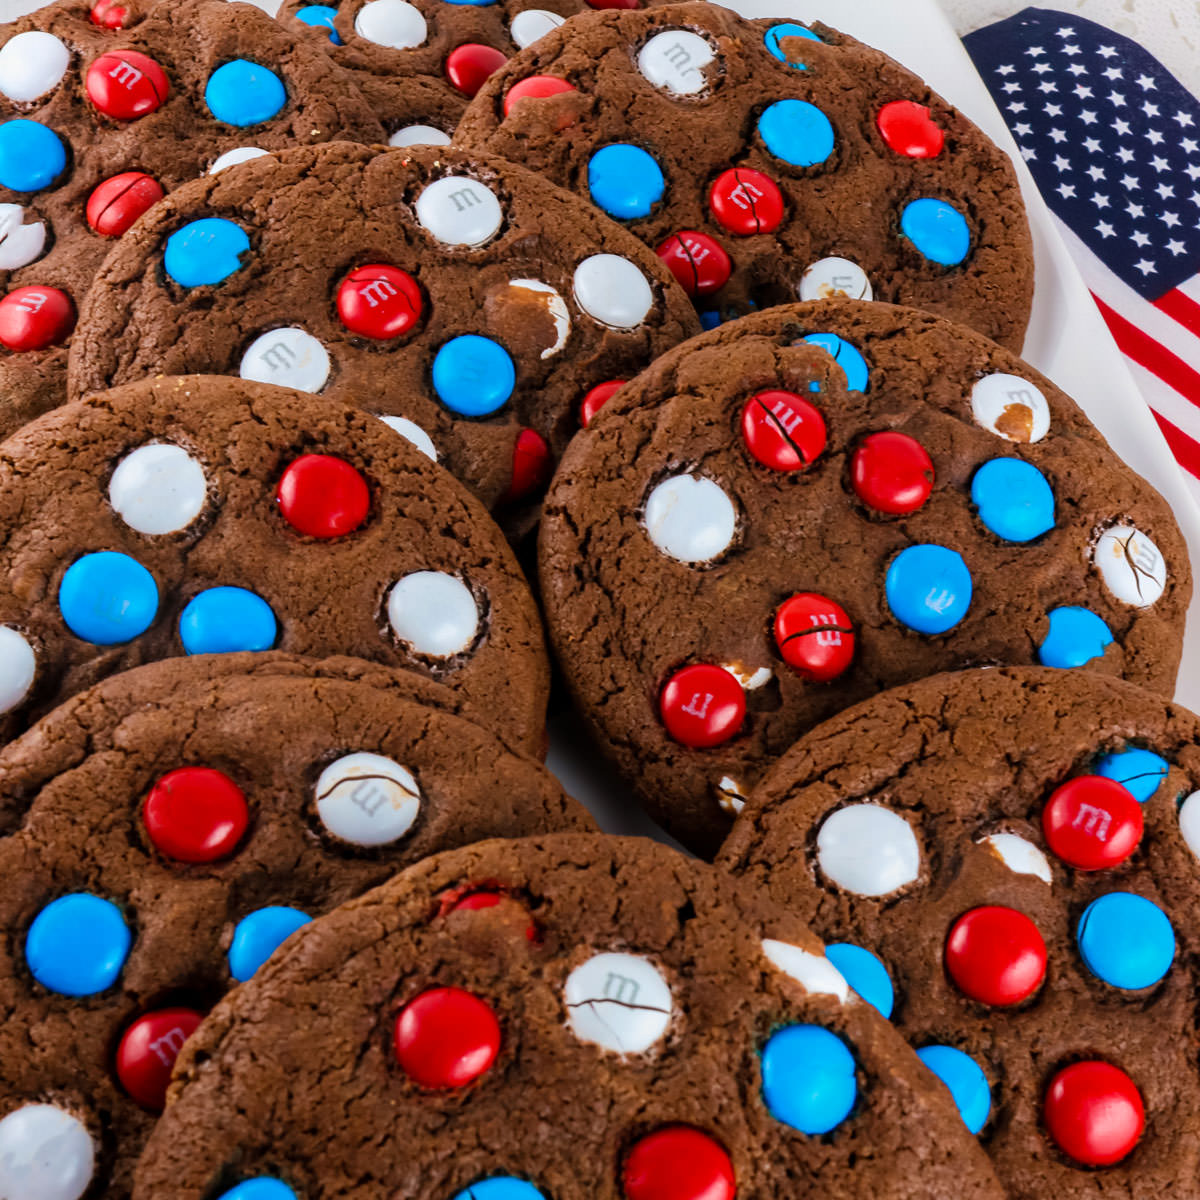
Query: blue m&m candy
pixel 808 1078
pixel 625 181
pixel 1014 499
pixel 1126 940
pixel 77 945
pixel 243 93
pixel 265 1187
pixel 259 935
pixel 205 251
pixel 845 355
pixel 797 132
pixel 966 1081
pixel 320 16
pixel 928 588
pixel 473 375
pixel 865 973
pixel 32 156
pixel 501 1187
pixel 938 230
pixel 788 29
pixel 1076 636
pixel 107 598
pixel 1138 771
pixel 223 620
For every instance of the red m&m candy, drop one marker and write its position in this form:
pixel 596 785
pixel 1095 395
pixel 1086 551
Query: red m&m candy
pixel 32 318
pixel 125 85
pixel 446 1038
pixel 699 264
pixel 892 473
pixel 323 496
pixel 469 65
pixel 148 1051
pixel 702 705
pixel 908 128
pixel 745 201
pixel 535 87
pixel 814 636
pixel 678 1162
pixel 1094 1113
pixel 782 430
pixel 532 465
pixel 109 14
pixel 195 814
pixel 1092 823
pixel 596 398
pixel 116 203
pixel 996 955
pixel 379 301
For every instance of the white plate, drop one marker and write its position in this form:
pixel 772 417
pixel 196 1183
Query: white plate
pixel 1067 339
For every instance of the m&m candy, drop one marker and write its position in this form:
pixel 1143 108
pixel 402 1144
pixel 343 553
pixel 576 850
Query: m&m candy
pixel 702 705
pixel 815 636
pixel 126 85
pixel 323 496
pixel 116 203
pixel 996 955
pixel 195 814
pixel 446 1038
pixel 1094 1112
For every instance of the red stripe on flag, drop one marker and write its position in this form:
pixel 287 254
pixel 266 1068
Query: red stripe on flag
pixel 1186 449
pixel 1145 351
pixel 1181 308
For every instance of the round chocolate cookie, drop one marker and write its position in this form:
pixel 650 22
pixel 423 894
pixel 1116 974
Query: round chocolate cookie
pixel 768 162
pixel 1006 862
pixel 460 293
pixel 448 46
pixel 178 822
pixel 576 1018
pixel 792 513
pixel 206 515
pixel 99 115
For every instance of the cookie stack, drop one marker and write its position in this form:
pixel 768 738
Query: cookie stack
pixel 330 341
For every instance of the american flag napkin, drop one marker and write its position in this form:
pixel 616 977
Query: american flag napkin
pixel 1113 140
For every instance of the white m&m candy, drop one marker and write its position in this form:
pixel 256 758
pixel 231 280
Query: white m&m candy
pixel 367 799
pixel 675 60
pixel 288 357
pixel 410 431
pixel 158 488
pixel 45 1154
pixel 31 64
pixel 618 1001
pixel 1189 822
pixel 419 135
pixel 533 23
pixel 20 243
pixel 868 850
pixel 1131 565
pixel 433 613
pixel 690 518
pixel 1019 856
pixel 231 158
pixel 611 290
pixel 393 23
pixel 835 278
pixel 1010 407
pixel 814 972
pixel 18 665
pixel 459 211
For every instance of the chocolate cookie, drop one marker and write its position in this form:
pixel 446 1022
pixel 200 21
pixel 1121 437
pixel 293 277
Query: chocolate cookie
pixel 208 515
pixel 100 115
pixel 769 162
pixel 177 823
pixel 1007 861
pixel 572 1017
pixel 455 291
pixel 447 48
pixel 790 514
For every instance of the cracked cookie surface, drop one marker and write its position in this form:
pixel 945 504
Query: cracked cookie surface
pixel 564 1017
pixel 1024 847
pixel 788 515
pixel 163 831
